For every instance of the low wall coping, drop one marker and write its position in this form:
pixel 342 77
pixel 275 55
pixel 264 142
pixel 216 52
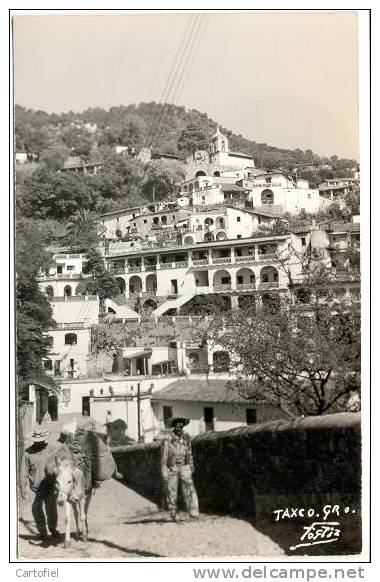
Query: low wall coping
pixel 341 420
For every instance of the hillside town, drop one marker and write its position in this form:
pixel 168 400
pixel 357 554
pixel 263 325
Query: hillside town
pixel 233 238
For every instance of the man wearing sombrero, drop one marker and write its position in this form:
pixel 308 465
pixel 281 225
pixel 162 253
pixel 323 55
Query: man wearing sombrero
pixel 177 466
pixel 33 470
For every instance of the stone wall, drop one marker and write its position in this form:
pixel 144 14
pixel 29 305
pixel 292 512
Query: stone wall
pixel 253 471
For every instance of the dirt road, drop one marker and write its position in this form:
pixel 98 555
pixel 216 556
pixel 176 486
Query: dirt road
pixel 125 525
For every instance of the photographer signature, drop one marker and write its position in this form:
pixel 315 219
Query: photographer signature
pixel 319 532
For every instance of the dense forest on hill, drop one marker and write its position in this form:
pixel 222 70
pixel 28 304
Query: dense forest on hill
pixel 45 194
pixel 153 125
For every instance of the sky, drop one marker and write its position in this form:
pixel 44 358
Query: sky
pixel 289 79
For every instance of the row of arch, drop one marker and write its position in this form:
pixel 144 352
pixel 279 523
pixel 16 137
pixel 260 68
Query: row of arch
pixel 135 284
pixel 246 275
pixel 68 291
pixel 220 277
pixel 208 237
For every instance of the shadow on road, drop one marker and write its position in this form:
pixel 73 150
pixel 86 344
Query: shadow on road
pixel 142 553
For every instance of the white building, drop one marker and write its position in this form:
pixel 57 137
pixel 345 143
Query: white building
pixel 172 276
pixel 64 275
pixel 70 351
pixel 221 155
pixel 277 191
pixel 209 405
pixel 21 158
pixel 116 223
pixel 221 223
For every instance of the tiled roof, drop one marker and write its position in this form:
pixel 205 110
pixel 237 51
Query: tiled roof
pixel 344 227
pixel 243 154
pixel 198 391
pixel 230 187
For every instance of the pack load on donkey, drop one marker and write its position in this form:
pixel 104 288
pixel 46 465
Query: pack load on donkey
pixel 81 463
pixel 87 449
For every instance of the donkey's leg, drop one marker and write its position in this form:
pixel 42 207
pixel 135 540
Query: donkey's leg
pixel 86 507
pixel 82 503
pixel 67 524
pixel 76 515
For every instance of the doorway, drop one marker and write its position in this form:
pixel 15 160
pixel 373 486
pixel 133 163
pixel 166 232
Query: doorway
pixel 208 413
pixel 167 413
pixel 53 407
pixel 86 406
pixel 174 287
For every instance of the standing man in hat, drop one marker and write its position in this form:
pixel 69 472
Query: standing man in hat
pixel 33 471
pixel 177 466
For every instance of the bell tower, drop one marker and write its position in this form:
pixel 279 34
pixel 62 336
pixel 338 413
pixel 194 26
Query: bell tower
pixel 219 148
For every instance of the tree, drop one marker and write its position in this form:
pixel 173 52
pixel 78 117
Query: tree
pixel 57 195
pixel 78 140
pixel 129 131
pixel 34 313
pixel 300 353
pixel 304 363
pixel 165 177
pixel 54 157
pixel 204 305
pixel 84 230
pixel 352 200
pixel 100 281
pixel 194 137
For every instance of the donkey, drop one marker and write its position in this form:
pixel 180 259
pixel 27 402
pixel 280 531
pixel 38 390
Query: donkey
pixel 70 482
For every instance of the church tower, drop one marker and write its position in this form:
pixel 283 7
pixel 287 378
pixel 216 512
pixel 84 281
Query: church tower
pixel 219 149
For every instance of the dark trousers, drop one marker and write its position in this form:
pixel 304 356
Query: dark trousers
pixel 44 510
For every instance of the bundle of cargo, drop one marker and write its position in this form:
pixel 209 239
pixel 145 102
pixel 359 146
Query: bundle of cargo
pixel 88 449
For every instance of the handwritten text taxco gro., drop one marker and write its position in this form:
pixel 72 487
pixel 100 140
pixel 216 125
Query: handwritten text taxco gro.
pixel 318 532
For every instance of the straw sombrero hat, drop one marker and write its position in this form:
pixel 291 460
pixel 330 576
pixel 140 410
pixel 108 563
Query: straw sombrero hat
pixel 183 419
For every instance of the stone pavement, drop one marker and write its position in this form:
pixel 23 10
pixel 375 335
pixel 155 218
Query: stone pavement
pixel 125 525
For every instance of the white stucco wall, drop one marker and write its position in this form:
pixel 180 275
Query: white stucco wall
pixel 64 353
pixel 117 221
pixel 226 416
pixel 76 310
pixel 76 389
pixel 292 200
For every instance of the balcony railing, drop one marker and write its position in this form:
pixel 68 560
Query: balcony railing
pixel 269 285
pixel 60 276
pixel 150 267
pixel 118 271
pixel 181 264
pixel 221 260
pixel 267 256
pixel 69 256
pixel 199 262
pixel 245 286
pixel 75 325
pixel 165 265
pixel 245 259
pixel 219 288
pixel 134 268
